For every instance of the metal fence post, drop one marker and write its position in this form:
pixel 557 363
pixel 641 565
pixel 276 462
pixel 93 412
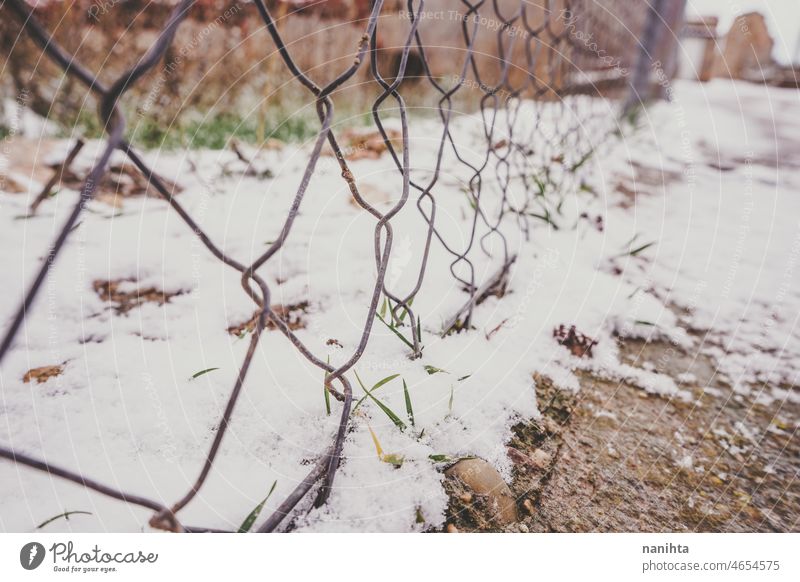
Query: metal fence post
pixel 663 16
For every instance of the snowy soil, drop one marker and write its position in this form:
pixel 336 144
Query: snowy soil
pixel 711 179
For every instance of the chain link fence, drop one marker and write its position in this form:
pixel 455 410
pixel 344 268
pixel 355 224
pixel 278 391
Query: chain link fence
pixel 571 66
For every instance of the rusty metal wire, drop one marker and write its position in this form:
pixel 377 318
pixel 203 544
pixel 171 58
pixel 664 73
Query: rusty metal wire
pixel 539 56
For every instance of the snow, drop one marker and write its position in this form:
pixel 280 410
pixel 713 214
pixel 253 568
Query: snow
pixel 686 463
pixel 126 410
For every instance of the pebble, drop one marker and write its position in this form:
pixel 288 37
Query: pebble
pixel 451 528
pixel 484 479
pixel 528 506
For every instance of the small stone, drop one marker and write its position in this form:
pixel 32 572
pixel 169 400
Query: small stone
pixel 484 479
pixel 451 528
pixel 523 528
pixel 465 498
pixel 528 505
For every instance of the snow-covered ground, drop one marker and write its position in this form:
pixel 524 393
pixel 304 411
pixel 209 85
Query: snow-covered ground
pixel 717 172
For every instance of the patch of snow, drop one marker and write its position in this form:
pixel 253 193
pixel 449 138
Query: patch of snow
pixel 126 410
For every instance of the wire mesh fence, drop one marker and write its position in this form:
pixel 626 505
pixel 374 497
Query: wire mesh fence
pixel 565 66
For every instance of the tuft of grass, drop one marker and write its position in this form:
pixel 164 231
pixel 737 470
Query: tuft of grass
pixel 431 370
pixel 65 515
pixel 387 312
pixel 540 184
pixel 403 315
pixel 251 518
pixel 546 217
pixel 585 158
pixel 395 331
pixel 215 131
pixel 635 251
pixel 369 394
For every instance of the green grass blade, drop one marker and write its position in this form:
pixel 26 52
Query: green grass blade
pixel 394 331
pixel 383 308
pixel 247 524
pixel 384 381
pixel 409 409
pixel 327 396
pixel 201 372
pixel 65 515
pixel 402 316
pixel 394 460
pixel 325 390
pixel 470 199
pixel 392 416
pixel 633 238
pixel 440 458
pixel 638 250
pixel 386 410
pixel 375 387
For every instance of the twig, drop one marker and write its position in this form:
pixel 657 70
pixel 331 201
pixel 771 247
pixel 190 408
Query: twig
pixel 482 292
pixel 58 174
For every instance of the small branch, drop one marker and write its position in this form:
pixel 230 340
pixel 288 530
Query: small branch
pixel 250 171
pixel 482 292
pixel 58 174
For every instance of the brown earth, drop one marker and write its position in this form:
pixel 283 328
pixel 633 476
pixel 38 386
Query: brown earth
pixel 614 458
